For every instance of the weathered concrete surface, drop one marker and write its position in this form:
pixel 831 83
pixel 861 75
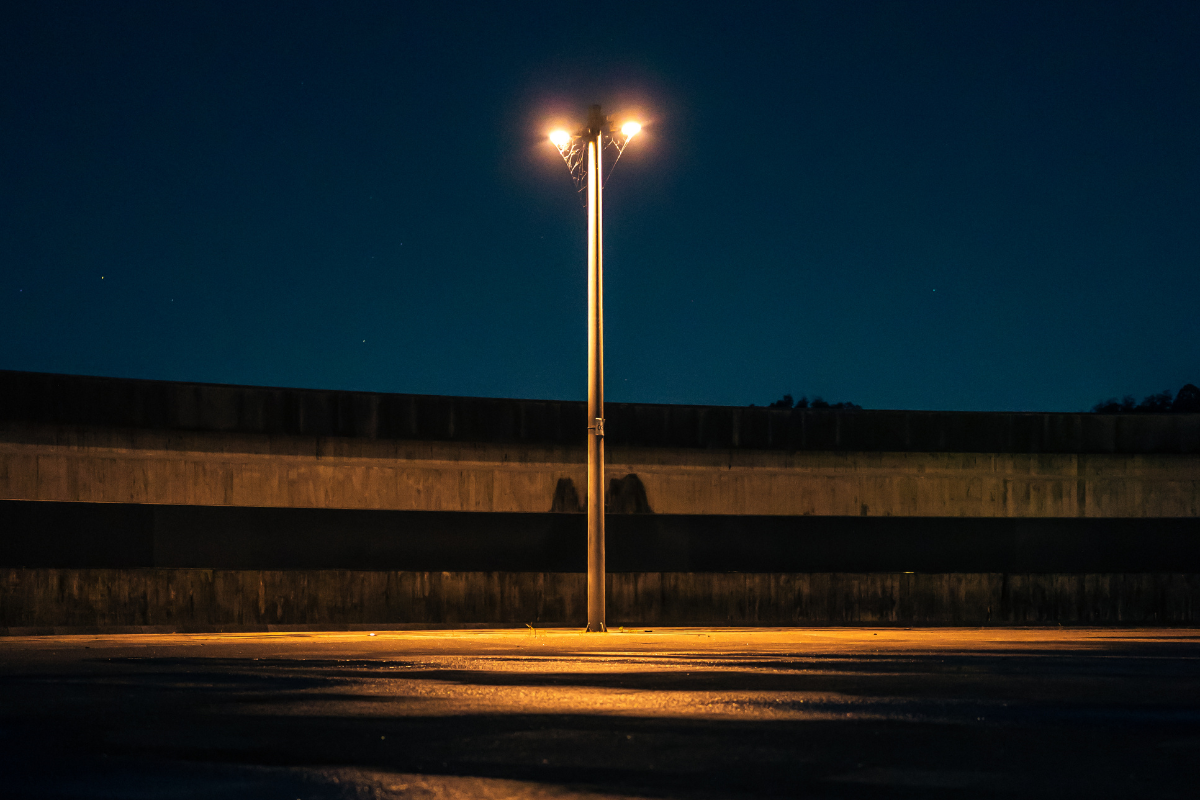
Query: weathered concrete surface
pixel 697 713
pixel 225 599
pixel 104 440
pixel 70 464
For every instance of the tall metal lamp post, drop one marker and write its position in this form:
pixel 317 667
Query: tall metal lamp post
pixel 583 152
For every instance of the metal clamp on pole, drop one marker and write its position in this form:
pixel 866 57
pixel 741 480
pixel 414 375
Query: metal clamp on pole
pixel 597 426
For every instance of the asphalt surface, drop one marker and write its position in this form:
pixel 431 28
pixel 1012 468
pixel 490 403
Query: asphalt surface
pixel 838 713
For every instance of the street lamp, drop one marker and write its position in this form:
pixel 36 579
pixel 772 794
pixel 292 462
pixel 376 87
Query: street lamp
pixel 582 152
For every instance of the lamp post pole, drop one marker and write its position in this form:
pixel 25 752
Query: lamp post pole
pixel 583 153
pixel 595 440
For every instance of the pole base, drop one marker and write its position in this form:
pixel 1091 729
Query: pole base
pixel 596 627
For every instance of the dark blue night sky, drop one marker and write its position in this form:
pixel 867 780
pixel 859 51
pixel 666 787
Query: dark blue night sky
pixel 905 205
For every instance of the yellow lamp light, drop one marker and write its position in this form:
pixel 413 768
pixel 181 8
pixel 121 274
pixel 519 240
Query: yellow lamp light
pixel 560 139
pixel 630 128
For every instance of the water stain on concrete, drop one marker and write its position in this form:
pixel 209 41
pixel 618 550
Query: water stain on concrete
pixel 627 496
pixel 566 498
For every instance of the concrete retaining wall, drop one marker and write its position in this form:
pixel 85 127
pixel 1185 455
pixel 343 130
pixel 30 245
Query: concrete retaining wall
pixel 45 600
pixel 79 439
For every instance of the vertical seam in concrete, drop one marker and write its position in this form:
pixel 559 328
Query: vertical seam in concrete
pixel 1080 486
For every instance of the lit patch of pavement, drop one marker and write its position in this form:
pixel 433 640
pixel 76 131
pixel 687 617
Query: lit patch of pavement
pixel 559 714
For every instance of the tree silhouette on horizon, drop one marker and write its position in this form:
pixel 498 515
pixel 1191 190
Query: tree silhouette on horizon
pixel 1186 401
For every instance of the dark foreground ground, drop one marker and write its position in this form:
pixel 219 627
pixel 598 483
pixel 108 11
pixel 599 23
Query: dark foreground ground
pixel 851 713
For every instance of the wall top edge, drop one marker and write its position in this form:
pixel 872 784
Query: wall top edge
pixel 90 401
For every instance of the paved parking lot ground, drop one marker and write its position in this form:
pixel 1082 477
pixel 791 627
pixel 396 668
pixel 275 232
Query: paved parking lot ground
pixel 838 713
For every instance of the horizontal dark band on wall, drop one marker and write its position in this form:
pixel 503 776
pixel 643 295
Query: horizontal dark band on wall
pixel 161 405
pixel 81 535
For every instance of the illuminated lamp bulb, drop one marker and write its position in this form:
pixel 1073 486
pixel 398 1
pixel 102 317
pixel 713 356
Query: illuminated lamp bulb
pixel 560 139
pixel 630 128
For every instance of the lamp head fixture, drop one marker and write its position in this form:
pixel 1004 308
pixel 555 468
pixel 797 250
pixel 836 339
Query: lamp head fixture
pixel 598 124
pixel 600 130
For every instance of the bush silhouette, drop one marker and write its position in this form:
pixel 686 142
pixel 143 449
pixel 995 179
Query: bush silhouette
pixel 817 402
pixel 1186 401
